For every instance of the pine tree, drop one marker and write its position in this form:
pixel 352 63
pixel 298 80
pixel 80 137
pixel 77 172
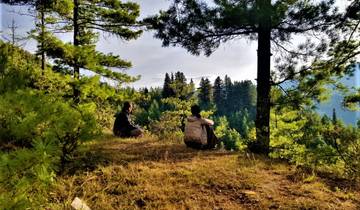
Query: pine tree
pixel 205 93
pixel 228 87
pixel 172 77
pixel 192 88
pixel 334 118
pixel 199 27
pixel 219 95
pixel 244 95
pixel 88 18
pixel 85 19
pixel 46 13
pixel 181 88
pixel 180 77
pixel 167 89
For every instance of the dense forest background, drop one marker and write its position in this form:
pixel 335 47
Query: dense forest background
pixel 48 109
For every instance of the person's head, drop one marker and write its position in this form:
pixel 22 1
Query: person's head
pixel 195 111
pixel 127 107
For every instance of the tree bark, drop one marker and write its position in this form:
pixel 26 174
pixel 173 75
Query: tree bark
pixel 262 121
pixel 76 44
pixel 42 14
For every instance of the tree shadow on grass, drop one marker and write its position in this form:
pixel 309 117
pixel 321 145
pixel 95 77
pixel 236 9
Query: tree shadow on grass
pixel 339 183
pixel 115 151
pixel 333 181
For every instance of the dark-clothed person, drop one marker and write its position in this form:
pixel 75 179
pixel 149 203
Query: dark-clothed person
pixel 123 126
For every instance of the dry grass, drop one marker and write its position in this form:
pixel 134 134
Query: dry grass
pixel 151 174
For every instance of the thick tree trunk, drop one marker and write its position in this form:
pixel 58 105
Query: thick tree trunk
pixel 262 121
pixel 76 44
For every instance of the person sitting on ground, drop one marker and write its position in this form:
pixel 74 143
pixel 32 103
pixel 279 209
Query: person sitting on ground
pixel 123 126
pixel 198 131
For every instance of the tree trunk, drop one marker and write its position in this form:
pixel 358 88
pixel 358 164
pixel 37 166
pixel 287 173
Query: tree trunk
pixel 76 44
pixel 42 14
pixel 262 121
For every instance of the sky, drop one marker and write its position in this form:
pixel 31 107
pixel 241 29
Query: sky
pixel 150 60
pixel 236 58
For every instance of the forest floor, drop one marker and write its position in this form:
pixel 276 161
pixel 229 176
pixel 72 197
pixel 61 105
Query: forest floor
pixel 146 173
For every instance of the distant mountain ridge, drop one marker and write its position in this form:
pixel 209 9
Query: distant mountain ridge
pixel 349 117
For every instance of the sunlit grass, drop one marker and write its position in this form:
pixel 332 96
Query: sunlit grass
pixel 112 173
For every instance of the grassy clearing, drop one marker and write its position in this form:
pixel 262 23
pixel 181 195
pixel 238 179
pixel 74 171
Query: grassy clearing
pixel 147 173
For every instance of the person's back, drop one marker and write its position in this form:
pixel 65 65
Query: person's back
pixel 195 130
pixel 198 133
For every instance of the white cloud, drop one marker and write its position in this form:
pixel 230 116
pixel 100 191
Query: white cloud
pixel 235 58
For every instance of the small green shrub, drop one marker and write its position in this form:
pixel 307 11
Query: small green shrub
pixel 306 139
pixel 27 115
pixel 241 122
pixel 26 175
pixel 168 126
pixel 146 117
pixel 230 137
pixel 38 134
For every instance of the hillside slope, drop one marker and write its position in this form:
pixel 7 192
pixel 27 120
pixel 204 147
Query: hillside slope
pixel 337 98
pixel 146 173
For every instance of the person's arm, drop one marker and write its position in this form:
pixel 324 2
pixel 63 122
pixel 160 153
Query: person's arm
pixel 129 123
pixel 205 121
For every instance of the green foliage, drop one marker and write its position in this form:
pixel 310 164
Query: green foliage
pixel 180 87
pixel 26 175
pixel 201 27
pixel 296 137
pixel 230 137
pixel 346 142
pixel 219 95
pixel 303 138
pixel 236 101
pixel 352 101
pixel 241 122
pixel 205 93
pixel 167 90
pixel 40 126
pixel 54 83
pixel 168 126
pixel 38 135
pixel 145 117
pixel 172 121
pixel 17 68
pixel 28 115
pixel 65 55
pixel 113 17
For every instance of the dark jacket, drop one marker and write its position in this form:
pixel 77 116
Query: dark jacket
pixel 123 125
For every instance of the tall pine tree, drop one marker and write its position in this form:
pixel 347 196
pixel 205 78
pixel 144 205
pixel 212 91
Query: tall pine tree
pixel 85 19
pixel 46 13
pixel 205 93
pixel 219 95
pixel 88 18
pixel 180 87
pixel 228 89
pixel 200 27
pixel 167 89
pixel 192 88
